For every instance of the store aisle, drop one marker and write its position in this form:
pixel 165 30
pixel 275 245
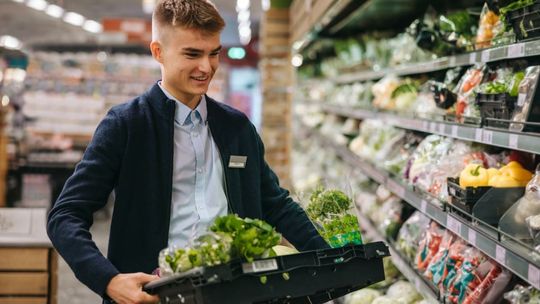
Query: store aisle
pixel 70 290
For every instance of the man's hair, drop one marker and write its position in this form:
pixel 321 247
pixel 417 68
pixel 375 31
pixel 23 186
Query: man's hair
pixel 192 14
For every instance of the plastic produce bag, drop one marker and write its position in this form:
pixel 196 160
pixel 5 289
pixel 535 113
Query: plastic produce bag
pixel 468 278
pixel 513 220
pixel 436 270
pixel 404 291
pixel 526 91
pixel 334 215
pixel 410 233
pixel 486 28
pixel 429 246
pixel 523 295
pixel 465 105
pixel 362 296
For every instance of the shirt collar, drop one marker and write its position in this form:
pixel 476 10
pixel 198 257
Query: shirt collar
pixel 183 112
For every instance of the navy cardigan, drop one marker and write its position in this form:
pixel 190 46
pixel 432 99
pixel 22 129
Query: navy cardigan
pixel 132 153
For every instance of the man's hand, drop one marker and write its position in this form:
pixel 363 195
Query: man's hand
pixel 126 288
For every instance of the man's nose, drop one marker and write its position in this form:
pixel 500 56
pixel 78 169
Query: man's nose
pixel 204 65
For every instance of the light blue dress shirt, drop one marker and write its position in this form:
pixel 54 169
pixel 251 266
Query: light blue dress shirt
pixel 198 186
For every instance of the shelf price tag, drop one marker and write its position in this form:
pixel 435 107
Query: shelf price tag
pixel 453 225
pixel 442 128
pixel 425 125
pixel 418 283
pixel 521 99
pixel 452 61
pixel 513 140
pixel 423 206
pixel 472 236
pixel 487 137
pixel 478 135
pixel 454 131
pixel 472 58
pixel 433 127
pixel 485 56
pixel 533 276
pixel 516 50
pixel 500 254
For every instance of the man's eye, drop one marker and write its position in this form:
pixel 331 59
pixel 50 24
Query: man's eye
pixel 214 54
pixel 191 54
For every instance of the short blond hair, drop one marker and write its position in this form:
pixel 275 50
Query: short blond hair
pixel 192 14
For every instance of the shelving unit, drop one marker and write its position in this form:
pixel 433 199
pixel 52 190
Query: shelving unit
pixel 528 142
pixel 517 258
pixel 401 264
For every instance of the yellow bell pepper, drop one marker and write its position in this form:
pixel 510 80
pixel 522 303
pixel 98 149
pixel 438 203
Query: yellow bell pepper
pixel 505 180
pixel 517 172
pixel 492 172
pixel 473 176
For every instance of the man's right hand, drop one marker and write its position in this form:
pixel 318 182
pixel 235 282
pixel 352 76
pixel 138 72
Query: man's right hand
pixel 126 288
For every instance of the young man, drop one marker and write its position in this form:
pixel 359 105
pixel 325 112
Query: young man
pixel 176 159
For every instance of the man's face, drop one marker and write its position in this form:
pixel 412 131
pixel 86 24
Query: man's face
pixel 189 59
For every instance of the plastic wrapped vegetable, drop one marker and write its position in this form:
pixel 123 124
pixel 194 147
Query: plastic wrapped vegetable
pixel 404 291
pixel 522 295
pixel 467 278
pixel 526 92
pixel 334 216
pixel 362 296
pixel 486 29
pixel 410 233
pixel 513 220
pixel 429 245
pixel 465 105
pixel 489 271
pixel 436 270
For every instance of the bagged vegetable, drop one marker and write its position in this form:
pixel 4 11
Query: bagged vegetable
pixel 362 296
pixel 409 235
pixel 486 28
pixel 513 221
pixel 429 246
pixel 334 216
pixel 526 92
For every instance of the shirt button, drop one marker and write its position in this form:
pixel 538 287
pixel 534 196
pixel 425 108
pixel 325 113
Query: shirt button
pixel 194 134
pixel 200 170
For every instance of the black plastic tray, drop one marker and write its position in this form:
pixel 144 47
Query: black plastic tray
pixel 498 106
pixel 464 198
pixel 307 277
pixel 525 21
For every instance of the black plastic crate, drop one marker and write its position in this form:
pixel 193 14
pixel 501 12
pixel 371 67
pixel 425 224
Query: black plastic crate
pixel 498 106
pixel 464 198
pixel 525 21
pixel 307 277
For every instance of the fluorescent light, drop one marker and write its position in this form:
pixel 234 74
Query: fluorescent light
pixel 148 6
pixel 92 26
pixel 10 42
pixel 265 5
pixel 244 31
pixel 54 11
pixel 39 5
pixel 74 18
pixel 244 40
pixel 242 5
pixel 243 16
pixel 297 60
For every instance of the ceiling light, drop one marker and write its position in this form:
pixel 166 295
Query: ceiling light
pixel 242 5
pixel 244 40
pixel 92 26
pixel 297 60
pixel 10 42
pixel 18 1
pixel 148 6
pixel 243 16
pixel 54 11
pixel 39 5
pixel 244 31
pixel 265 5
pixel 74 18
pixel 5 100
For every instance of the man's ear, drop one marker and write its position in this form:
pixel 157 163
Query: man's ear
pixel 157 50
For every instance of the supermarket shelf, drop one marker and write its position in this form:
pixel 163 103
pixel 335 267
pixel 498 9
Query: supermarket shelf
pixel 401 264
pixel 516 258
pixel 512 51
pixel 528 142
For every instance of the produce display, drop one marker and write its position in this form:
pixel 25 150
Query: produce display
pixel 230 237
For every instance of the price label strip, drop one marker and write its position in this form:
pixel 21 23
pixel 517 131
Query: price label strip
pixel 533 276
pixel 513 141
pixel 500 254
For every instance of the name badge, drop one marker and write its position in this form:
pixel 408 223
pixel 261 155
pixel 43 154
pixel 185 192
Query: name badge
pixel 237 161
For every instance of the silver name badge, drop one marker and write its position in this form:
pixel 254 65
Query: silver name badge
pixel 237 161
